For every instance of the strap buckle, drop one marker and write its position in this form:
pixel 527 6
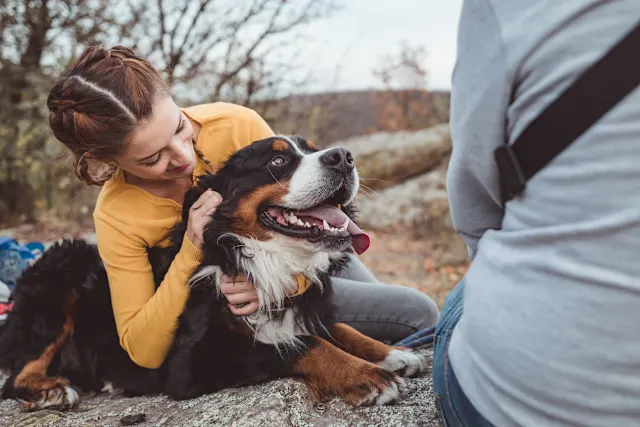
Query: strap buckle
pixel 512 178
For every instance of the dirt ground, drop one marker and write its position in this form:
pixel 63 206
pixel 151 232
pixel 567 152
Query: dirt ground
pixel 423 264
pixel 432 263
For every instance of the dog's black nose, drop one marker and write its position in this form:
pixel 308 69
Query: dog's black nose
pixel 339 159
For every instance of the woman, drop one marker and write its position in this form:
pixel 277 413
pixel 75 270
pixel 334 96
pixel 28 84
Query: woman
pixel 115 114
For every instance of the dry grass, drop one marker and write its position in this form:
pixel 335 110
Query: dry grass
pixel 433 264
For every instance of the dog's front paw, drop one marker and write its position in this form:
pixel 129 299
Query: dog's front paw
pixel 404 362
pixel 372 386
pixel 61 398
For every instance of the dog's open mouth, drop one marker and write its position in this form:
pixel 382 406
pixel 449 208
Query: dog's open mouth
pixel 320 222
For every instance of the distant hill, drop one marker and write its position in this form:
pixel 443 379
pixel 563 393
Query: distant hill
pixel 333 116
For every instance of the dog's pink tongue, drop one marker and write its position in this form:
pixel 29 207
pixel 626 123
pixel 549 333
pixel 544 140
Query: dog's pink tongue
pixel 336 218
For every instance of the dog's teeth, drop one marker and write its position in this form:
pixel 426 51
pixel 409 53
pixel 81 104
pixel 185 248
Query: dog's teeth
pixel 306 224
pixel 293 219
pixel 300 223
pixel 325 225
pixel 344 226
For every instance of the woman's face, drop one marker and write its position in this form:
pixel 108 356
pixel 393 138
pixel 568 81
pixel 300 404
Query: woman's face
pixel 161 149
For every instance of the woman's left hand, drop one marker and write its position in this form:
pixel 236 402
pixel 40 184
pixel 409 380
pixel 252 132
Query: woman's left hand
pixel 241 294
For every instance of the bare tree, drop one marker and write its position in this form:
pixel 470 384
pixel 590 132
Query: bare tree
pixel 227 49
pixel 240 51
pixel 404 103
pixel 29 31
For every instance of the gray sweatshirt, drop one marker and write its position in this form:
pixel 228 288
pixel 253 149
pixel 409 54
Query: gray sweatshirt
pixel 550 334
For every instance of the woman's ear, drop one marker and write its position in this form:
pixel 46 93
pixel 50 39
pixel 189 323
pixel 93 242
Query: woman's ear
pixel 95 160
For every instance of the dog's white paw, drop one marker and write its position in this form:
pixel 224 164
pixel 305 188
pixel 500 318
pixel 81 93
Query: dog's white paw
pixel 392 393
pixel 60 398
pixel 109 388
pixel 404 362
pixel 389 393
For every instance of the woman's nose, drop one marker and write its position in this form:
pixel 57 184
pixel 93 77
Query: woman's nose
pixel 181 153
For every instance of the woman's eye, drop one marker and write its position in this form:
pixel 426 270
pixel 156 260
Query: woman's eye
pixel 277 161
pixel 154 162
pixel 183 126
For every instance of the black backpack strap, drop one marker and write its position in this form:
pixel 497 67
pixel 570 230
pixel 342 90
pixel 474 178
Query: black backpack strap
pixel 594 92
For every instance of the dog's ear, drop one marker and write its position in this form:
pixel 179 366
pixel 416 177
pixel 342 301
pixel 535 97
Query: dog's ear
pixel 203 183
pixel 190 198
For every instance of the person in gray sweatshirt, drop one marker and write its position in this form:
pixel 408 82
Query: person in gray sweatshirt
pixel 542 331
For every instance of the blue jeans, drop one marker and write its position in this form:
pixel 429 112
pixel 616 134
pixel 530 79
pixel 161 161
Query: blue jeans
pixel 455 409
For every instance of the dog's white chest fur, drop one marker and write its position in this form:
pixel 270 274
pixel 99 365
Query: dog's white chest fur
pixel 272 266
pixel 281 331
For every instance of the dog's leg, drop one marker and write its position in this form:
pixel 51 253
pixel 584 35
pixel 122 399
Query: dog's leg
pixel 34 389
pixel 329 371
pixel 401 360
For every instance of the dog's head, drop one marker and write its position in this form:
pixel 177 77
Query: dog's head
pixel 285 189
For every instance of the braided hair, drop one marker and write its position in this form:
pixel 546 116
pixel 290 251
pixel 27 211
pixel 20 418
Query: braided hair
pixel 95 107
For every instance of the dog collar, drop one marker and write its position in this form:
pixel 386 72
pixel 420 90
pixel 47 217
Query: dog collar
pixel 304 283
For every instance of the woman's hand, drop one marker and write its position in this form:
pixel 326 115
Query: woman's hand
pixel 199 215
pixel 241 294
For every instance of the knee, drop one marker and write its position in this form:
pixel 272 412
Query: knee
pixel 422 311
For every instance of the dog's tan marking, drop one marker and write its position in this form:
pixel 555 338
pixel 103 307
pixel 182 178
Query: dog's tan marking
pixel 312 145
pixel 360 345
pixel 45 391
pixel 400 360
pixel 280 145
pixel 329 371
pixel 246 216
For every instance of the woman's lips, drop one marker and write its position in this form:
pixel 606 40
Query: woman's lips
pixel 179 169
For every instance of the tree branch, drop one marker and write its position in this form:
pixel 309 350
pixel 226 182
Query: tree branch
pixel 172 34
pixel 163 30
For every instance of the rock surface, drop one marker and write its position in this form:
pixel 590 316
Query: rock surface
pixel 417 203
pixel 385 159
pixel 273 404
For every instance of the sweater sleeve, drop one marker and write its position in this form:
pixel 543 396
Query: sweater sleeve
pixel 481 88
pixel 146 318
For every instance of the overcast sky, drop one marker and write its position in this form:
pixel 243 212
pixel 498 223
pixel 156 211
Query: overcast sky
pixel 365 29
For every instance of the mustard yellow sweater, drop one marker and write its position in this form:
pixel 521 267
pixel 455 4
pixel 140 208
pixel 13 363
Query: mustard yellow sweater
pixel 129 220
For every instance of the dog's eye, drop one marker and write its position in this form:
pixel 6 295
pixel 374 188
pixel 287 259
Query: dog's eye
pixel 277 161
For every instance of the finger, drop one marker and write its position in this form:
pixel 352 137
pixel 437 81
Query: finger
pixel 241 298
pixel 250 308
pixel 236 287
pixel 203 197
pixel 240 277
pixel 209 204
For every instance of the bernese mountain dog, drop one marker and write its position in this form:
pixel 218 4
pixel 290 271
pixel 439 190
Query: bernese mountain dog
pixel 286 211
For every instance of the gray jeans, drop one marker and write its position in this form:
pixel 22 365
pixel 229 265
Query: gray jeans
pixel 387 313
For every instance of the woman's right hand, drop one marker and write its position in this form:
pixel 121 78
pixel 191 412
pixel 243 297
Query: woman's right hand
pixel 199 215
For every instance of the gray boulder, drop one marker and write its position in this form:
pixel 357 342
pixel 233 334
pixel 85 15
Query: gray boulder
pixel 273 404
pixel 385 159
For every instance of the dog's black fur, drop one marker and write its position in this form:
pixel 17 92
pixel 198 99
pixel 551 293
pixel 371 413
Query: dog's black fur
pixel 212 349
